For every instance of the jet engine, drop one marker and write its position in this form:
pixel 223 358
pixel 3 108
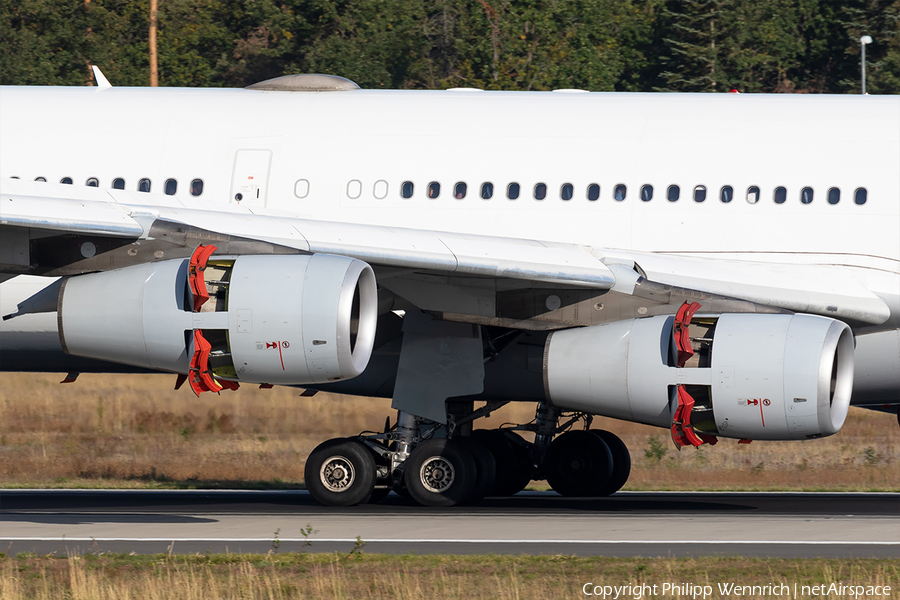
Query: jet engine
pixel 765 377
pixel 297 319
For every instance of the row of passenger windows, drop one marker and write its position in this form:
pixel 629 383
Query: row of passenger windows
pixel 513 191
pixel 144 185
pixel 619 192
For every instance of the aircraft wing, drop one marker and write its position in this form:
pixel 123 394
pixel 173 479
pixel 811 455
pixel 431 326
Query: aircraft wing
pixel 470 278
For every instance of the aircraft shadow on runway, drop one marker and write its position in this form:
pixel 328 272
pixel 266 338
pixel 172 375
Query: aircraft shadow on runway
pixel 131 504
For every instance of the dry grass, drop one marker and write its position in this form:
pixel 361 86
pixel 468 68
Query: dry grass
pixel 135 431
pixel 313 576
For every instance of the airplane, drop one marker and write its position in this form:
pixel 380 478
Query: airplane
pixel 717 265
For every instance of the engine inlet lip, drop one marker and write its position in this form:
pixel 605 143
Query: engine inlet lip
pixel 359 278
pixel 835 383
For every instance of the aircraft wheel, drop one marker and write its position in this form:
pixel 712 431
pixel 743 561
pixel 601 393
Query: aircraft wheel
pixel 485 467
pixel 578 463
pixel 512 471
pixel 440 472
pixel 621 466
pixel 340 472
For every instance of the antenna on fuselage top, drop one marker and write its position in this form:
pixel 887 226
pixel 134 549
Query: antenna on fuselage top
pixel 102 82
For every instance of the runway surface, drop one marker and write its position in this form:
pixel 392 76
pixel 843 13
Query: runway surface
pixel 627 524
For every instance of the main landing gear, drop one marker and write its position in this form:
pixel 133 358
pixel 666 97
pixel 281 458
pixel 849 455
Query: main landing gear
pixel 446 465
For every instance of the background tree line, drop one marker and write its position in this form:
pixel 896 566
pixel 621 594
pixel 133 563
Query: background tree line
pixel 631 45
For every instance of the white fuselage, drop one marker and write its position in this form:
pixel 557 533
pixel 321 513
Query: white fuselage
pixel 344 157
pixel 334 140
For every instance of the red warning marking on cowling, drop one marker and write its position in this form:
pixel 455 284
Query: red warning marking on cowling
pixel 279 345
pixel 757 402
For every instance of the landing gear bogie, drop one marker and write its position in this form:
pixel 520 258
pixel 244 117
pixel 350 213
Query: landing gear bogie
pixel 416 460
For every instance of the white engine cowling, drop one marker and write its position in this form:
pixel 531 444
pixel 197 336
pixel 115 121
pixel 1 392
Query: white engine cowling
pixel 297 319
pixel 764 377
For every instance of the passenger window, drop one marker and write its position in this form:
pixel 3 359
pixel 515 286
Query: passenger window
pixel 434 190
pixel 144 185
pixel 700 193
pixel 646 193
pixel 92 182
pixel 619 192
pixel 301 188
pixel 512 191
pixel 806 195
pixel 752 194
pixel 40 179
pixel 593 192
pixel 780 195
pixel 459 190
pixel 380 190
pixel 354 189
pixel 67 180
pixel 540 191
pixel 860 196
pixel 406 189
pixel 487 190
pixel 673 193
pixel 196 187
pixel 834 195
pixel 118 183
pixel 171 187
pixel 726 194
pixel 566 191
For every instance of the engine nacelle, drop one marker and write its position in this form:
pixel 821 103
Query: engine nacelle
pixel 297 319
pixel 764 377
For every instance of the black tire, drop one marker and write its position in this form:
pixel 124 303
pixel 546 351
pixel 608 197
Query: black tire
pixel 340 472
pixel 578 463
pixel 440 472
pixel 511 463
pixel 485 468
pixel 621 461
pixel 523 469
pixel 379 494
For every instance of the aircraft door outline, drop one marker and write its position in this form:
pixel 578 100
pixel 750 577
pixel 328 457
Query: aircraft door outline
pixel 250 177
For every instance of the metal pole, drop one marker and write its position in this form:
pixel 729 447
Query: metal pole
pixel 863 42
pixel 863 69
